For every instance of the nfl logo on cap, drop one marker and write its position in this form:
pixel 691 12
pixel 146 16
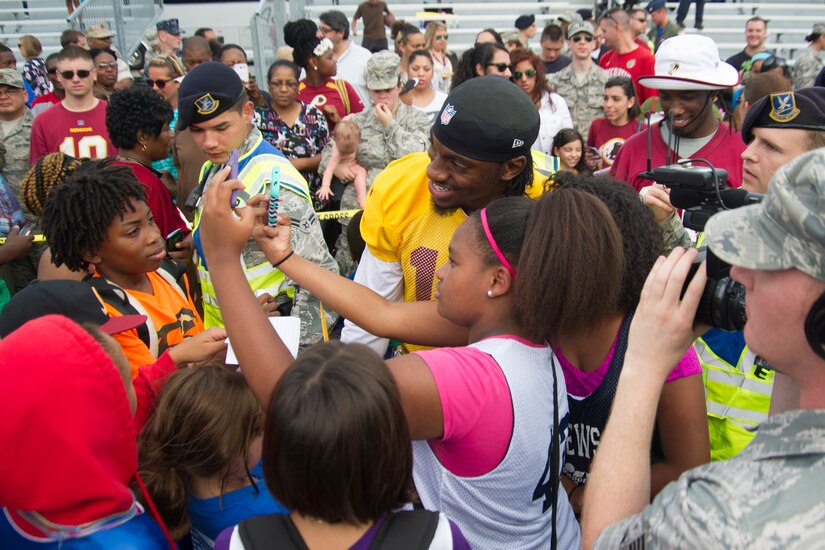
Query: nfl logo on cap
pixel 447 114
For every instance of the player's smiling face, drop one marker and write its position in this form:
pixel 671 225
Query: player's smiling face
pixel 457 181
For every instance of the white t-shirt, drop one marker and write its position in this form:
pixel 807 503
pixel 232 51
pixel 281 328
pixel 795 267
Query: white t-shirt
pixel 554 117
pixel 434 106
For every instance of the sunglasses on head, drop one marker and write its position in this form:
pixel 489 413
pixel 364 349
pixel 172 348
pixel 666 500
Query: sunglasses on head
pixel 68 75
pixel 582 38
pixel 529 73
pixel 501 67
pixel 161 84
pixel 442 36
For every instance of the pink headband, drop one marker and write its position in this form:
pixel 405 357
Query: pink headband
pixel 493 244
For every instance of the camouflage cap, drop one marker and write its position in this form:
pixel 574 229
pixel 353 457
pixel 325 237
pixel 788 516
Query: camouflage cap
pixel 10 77
pixel 99 31
pixel 786 230
pixel 818 30
pixel 382 70
pixel 580 27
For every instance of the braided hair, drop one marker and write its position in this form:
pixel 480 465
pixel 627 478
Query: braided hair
pixel 78 214
pixel 47 173
pixel 302 36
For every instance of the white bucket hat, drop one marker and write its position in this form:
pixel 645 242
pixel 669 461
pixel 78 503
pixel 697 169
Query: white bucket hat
pixel 690 62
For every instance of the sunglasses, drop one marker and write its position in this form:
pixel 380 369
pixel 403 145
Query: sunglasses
pixel 53 70
pixel 442 36
pixel 104 66
pixel 161 84
pixel 501 67
pixel 529 73
pixel 82 73
pixel 582 38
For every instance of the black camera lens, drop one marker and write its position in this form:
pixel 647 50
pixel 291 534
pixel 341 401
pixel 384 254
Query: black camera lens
pixel 722 304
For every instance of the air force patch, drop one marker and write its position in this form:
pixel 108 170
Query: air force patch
pixel 783 107
pixel 206 104
pixel 447 114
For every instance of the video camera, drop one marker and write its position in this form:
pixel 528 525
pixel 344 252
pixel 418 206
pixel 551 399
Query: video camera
pixel 701 193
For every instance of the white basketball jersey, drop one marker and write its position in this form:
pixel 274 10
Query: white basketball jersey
pixel 509 507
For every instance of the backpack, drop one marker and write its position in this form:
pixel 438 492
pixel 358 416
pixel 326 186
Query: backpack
pixel 406 530
pixel 172 271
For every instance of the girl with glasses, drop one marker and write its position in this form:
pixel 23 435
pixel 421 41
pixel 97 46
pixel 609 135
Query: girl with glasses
pixel 481 60
pixel 297 129
pixel 528 74
pixel 435 41
pixel 165 74
pixel 105 61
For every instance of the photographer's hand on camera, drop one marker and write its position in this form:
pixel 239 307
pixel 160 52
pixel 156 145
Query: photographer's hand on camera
pixel 657 198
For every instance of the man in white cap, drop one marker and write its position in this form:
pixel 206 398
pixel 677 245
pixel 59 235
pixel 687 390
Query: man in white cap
pixel 770 495
pixel 688 75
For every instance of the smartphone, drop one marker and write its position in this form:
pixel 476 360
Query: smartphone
pixel 233 174
pixel 274 193
pixel 173 238
pixel 242 69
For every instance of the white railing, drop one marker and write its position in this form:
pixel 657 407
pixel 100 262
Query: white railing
pixel 129 19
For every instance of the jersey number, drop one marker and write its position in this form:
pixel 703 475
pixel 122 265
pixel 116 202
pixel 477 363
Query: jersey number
pixel 423 260
pixel 84 148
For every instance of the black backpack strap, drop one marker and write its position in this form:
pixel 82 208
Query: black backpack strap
pixel 271 531
pixel 117 298
pixel 407 530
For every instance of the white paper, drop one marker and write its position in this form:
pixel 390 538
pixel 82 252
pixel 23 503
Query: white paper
pixel 288 328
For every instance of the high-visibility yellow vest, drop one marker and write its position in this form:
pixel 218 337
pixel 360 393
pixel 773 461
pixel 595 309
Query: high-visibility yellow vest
pixel 254 171
pixel 738 398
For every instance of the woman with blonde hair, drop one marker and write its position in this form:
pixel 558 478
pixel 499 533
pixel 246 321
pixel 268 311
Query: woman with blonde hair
pixel 164 76
pixel 435 41
pixel 34 71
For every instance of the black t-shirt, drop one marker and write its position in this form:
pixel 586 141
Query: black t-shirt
pixel 555 66
pixel 738 59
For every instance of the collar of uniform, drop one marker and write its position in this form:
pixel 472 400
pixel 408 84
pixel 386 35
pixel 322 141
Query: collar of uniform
pixel 799 432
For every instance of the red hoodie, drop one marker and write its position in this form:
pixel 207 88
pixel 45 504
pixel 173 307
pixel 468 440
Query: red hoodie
pixel 66 429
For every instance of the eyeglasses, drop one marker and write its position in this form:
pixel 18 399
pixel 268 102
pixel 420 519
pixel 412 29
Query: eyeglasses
pixel 69 75
pixel 9 91
pixel 161 84
pixel 501 67
pixel 283 84
pixel 442 36
pixel 104 66
pixel 53 70
pixel 529 73
pixel 582 38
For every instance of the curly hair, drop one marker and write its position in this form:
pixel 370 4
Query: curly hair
pixel 302 36
pixel 136 109
pixel 47 173
pixel 78 214
pixel 641 236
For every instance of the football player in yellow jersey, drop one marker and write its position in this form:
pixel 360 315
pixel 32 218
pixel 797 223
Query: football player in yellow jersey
pixel 480 151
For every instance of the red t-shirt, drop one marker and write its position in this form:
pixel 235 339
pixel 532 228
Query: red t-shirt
pixel 608 139
pixel 639 62
pixel 724 150
pixel 158 199
pixel 327 94
pixel 50 98
pixel 79 135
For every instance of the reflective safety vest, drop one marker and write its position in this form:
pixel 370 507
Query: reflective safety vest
pixel 544 164
pixel 738 398
pixel 254 171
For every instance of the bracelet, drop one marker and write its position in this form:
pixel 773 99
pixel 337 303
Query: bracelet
pixel 285 258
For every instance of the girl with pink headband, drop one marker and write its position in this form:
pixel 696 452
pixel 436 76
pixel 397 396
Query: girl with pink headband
pixel 487 418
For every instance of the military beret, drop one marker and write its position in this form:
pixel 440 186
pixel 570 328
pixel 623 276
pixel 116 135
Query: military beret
pixel 803 109
pixel 524 21
pixel 488 118
pixel 207 91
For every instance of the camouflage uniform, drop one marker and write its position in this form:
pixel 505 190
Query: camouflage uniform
pixel 16 144
pixel 807 66
pixel 769 496
pixel 306 240
pixel 379 146
pixel 583 99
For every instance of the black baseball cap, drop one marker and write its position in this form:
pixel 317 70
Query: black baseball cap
pixel 78 301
